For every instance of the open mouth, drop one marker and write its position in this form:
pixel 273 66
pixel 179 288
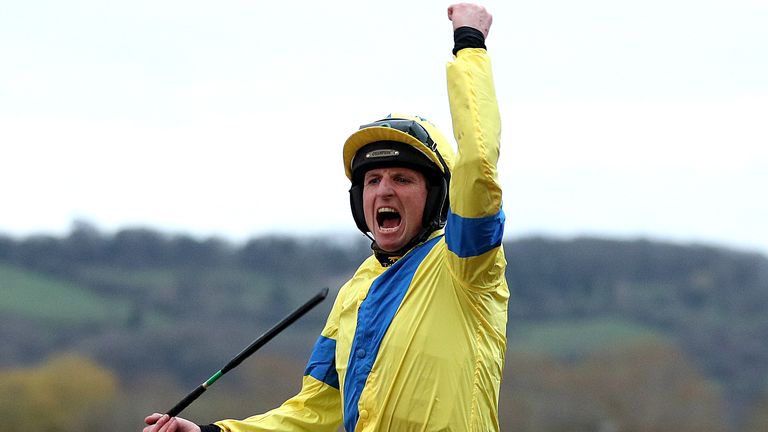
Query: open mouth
pixel 388 219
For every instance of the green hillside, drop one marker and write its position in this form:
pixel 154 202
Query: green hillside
pixel 575 338
pixel 36 296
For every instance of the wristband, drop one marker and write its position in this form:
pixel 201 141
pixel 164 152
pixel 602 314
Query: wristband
pixel 467 37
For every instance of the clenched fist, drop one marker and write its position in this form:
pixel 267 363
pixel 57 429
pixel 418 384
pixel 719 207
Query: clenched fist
pixel 470 15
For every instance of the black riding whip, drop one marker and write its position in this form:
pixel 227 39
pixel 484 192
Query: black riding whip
pixel 252 348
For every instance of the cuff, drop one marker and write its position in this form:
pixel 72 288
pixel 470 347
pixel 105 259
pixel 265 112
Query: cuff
pixel 209 428
pixel 467 37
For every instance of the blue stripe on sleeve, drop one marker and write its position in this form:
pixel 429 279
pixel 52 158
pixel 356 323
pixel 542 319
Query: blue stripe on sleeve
pixel 373 319
pixel 468 237
pixel 322 363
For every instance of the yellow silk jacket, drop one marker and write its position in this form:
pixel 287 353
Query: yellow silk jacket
pixel 419 345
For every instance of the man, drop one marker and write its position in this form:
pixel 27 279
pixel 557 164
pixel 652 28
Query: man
pixel 416 338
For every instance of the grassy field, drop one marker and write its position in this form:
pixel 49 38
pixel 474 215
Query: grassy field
pixel 40 297
pixel 569 338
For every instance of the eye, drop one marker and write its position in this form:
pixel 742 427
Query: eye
pixel 403 179
pixel 372 180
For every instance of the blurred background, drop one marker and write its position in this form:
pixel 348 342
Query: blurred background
pixel 166 165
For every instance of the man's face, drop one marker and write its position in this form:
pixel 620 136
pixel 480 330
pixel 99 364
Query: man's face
pixel 393 203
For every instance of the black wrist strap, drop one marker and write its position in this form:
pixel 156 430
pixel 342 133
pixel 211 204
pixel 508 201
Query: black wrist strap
pixel 209 428
pixel 467 37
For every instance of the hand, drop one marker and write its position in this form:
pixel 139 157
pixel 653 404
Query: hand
pixel 163 423
pixel 470 15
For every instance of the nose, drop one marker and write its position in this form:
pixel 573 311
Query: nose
pixel 385 187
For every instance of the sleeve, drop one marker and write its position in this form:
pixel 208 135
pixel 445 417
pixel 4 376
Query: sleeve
pixel 475 224
pixel 317 406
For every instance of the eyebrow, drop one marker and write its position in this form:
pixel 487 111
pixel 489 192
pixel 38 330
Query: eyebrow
pixel 395 171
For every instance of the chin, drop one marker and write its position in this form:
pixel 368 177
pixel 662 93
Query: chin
pixel 392 246
pixel 389 246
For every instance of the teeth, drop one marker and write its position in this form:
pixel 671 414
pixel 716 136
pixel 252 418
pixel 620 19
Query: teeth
pixel 384 217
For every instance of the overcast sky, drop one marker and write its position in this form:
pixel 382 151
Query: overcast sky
pixel 620 119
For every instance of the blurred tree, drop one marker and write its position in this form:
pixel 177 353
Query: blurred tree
pixel 44 253
pixel 539 394
pixel 758 420
pixel 139 247
pixel 648 387
pixel 57 396
pixel 85 244
pixel 146 393
pixel 652 387
pixel 189 252
pixel 7 247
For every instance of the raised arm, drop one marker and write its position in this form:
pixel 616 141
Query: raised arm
pixel 476 221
